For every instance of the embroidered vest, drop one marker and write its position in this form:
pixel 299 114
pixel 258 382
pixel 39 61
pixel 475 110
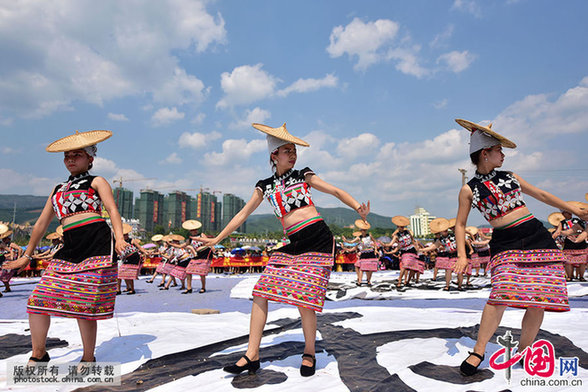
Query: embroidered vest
pixel 287 192
pixel 496 194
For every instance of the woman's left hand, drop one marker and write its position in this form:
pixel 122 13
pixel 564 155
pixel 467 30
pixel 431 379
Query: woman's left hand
pixel 363 210
pixel 120 246
pixel 20 264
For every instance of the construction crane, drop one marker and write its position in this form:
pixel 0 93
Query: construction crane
pixel 120 180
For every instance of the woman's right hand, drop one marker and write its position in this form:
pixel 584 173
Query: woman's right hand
pixel 363 210
pixel 461 265
pixel 20 264
pixel 208 241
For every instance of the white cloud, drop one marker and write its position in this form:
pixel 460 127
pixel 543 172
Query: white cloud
pixel 468 6
pixel 456 61
pixel 199 119
pixel 172 159
pixel 362 40
pixel 8 150
pixel 13 182
pixel 166 116
pixel 197 140
pixel 69 58
pixel 407 61
pixel 256 115
pixel 538 116
pixel 361 145
pixel 441 38
pixel 441 104
pixel 117 117
pixel 246 84
pixel 180 89
pixel 306 85
pixel 236 151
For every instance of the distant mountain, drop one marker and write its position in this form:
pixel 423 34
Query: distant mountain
pixel 333 216
pixel 26 202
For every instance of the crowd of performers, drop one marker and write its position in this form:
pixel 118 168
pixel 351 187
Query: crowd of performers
pixel 89 259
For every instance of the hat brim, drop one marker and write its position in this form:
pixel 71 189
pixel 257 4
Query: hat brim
pixel 191 224
pixel 127 228
pixel 400 220
pixel 438 225
pixel 472 230
pixel 3 228
pixel 78 141
pixel 362 225
pixel 470 126
pixel 157 237
pixel 280 133
pixel 5 234
pixel 53 236
pixel 555 218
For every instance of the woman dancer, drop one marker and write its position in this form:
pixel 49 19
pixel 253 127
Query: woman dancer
pixel 297 273
pixel 407 249
pixel 159 251
pixel 481 255
pixel 526 266
pixel 131 261
pixel 179 261
pixel 575 252
pixel 8 251
pixel 201 257
pixel 368 259
pixel 80 281
pixel 446 247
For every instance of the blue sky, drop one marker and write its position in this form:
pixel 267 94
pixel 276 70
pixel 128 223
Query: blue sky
pixel 374 86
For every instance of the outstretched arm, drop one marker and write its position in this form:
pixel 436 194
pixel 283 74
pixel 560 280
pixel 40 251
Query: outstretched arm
pixel 38 231
pixel 550 199
pixel 237 220
pixel 316 182
pixel 465 204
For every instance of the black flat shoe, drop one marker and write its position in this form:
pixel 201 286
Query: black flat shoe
pixel 161 285
pixel 202 291
pixel 45 358
pixel 307 371
pixel 131 292
pixel 148 281
pixel 250 366
pixel 467 369
pixel 164 288
pixel 118 293
pixel 189 291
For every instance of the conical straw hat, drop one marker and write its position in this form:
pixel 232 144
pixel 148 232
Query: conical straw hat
pixel 3 228
pixel 356 233
pixel 176 237
pixel 281 133
pixel 363 225
pixel 400 220
pixel 127 228
pixel 452 222
pixel 472 230
pixel 59 230
pixel 53 236
pixel 555 217
pixel 438 225
pixel 157 237
pixel 191 224
pixel 78 140
pixel 472 127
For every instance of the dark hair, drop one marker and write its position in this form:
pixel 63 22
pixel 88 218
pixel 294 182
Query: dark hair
pixel 475 157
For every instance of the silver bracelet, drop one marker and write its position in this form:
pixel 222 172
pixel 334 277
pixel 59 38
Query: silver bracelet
pixel 28 257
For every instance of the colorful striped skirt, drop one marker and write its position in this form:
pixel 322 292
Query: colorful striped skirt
pixel 368 260
pixel 131 267
pixel 298 274
pixel 164 267
pixel 411 261
pixel 200 265
pixel 527 269
pixel 575 257
pixel 6 275
pixel 80 281
pixel 445 261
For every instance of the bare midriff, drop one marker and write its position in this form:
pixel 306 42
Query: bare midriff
pixel 299 215
pixel 510 217
pixel 78 217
